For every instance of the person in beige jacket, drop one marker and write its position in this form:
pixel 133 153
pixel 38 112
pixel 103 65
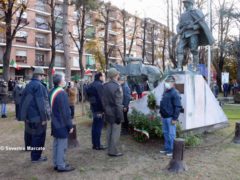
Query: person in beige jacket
pixel 72 97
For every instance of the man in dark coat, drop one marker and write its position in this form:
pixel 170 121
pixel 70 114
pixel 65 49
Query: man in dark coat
pixel 94 92
pixel 3 97
pixel 17 95
pixel 170 108
pixel 193 32
pixel 126 101
pixel 112 101
pixel 61 123
pixel 35 111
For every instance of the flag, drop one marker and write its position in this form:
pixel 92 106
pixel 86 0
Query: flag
pixel 14 64
pixel 87 71
pixel 53 71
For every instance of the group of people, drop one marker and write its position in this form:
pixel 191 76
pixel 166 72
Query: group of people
pixel 109 103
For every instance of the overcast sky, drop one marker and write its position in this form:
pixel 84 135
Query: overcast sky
pixel 156 9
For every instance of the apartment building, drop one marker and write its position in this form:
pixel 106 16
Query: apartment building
pixel 32 44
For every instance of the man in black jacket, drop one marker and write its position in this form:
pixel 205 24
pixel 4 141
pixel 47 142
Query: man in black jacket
pixel 94 92
pixel 170 107
pixel 35 111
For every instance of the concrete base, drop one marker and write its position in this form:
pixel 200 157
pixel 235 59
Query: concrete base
pixel 201 108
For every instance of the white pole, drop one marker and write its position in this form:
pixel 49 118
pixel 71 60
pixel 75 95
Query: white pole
pixel 209 47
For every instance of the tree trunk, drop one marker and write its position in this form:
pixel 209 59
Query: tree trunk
pixel 153 45
pixel 82 41
pixel 144 39
pixel 163 48
pixel 66 41
pixel 124 37
pixel 133 36
pixel 53 46
pixel 106 40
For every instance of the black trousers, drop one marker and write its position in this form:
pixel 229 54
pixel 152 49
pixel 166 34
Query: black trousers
pixel 17 110
pixel 125 124
pixel 35 135
pixel 72 111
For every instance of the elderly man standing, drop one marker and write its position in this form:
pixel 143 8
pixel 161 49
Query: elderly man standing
pixel 61 123
pixel 35 111
pixel 112 101
pixel 170 107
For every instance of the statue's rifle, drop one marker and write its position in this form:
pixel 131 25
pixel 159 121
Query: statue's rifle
pixel 174 39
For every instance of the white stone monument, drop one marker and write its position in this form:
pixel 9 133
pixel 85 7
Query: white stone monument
pixel 201 108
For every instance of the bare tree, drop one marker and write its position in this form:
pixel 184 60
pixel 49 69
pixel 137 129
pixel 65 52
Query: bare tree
pixel 126 34
pixel 10 8
pixel 223 28
pixel 105 11
pixel 82 9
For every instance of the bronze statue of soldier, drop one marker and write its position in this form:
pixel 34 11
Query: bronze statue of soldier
pixel 193 32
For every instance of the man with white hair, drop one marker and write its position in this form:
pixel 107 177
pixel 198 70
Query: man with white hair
pixel 112 103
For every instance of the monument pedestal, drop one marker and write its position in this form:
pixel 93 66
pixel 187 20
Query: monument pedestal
pixel 201 108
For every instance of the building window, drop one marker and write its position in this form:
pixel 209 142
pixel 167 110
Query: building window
pixel 90 32
pixel 41 23
pixel 75 48
pixel 90 62
pixel 75 61
pixel 59 62
pixel 39 61
pixel 75 30
pixel 59 24
pixel 21 36
pixel 23 17
pixel 59 44
pixel 41 41
pixel 58 11
pixel 21 56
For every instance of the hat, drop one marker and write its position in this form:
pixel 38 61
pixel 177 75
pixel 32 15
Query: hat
pixel 170 79
pixel 112 72
pixel 190 1
pixel 39 71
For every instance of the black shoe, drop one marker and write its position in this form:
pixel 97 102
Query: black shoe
pixel 4 116
pixel 41 159
pixel 116 155
pixel 55 167
pixel 100 148
pixel 66 169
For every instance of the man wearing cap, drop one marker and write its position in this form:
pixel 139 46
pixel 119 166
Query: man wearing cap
pixel 193 32
pixel 94 92
pixel 35 111
pixel 170 107
pixel 112 101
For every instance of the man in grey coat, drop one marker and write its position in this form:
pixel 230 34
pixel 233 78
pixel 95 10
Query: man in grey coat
pixel 112 102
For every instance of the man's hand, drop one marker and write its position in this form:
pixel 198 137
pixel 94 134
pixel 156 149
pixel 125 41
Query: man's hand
pixel 44 123
pixel 71 131
pixel 124 109
pixel 174 122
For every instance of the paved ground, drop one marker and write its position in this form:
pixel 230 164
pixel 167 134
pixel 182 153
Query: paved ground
pixel 141 161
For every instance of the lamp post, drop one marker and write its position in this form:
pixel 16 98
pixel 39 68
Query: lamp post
pixel 209 47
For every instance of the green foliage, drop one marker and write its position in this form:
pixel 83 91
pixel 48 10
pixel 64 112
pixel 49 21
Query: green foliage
pixel 150 123
pixel 237 97
pixel 192 140
pixel 88 4
pixel 151 101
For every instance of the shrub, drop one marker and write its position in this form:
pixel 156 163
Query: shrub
pixel 237 97
pixel 150 123
pixel 192 140
pixel 151 101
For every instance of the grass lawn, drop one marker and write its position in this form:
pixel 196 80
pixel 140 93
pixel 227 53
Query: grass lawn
pixel 232 112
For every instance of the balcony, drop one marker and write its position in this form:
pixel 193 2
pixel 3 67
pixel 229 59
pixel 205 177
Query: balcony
pixel 42 44
pixel 22 20
pixel 21 59
pixel 60 47
pixel 42 7
pixel 41 63
pixel 43 26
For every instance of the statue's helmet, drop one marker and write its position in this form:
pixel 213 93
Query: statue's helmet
pixel 190 1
